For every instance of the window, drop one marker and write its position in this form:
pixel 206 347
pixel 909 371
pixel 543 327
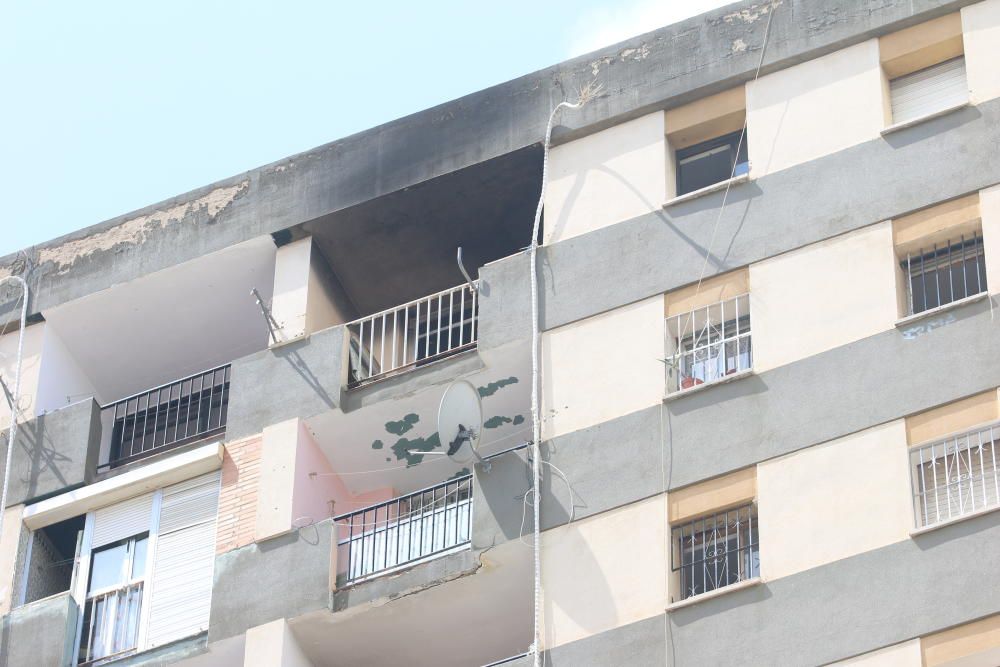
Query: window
pixel 114 600
pixel 929 90
pixel 923 69
pixel 956 476
pixel 716 550
pixel 711 162
pixel 709 343
pixel 145 570
pixel 946 272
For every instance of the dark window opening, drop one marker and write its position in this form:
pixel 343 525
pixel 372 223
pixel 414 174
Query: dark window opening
pixel 52 559
pixel 940 275
pixel 711 162
pixel 183 412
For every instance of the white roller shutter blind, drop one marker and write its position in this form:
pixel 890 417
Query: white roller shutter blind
pixel 123 520
pixel 933 89
pixel 181 586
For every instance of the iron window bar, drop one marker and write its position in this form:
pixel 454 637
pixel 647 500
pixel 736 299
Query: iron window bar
pixel 715 551
pixel 937 276
pixel 413 334
pixel 956 476
pixel 404 530
pixel 181 412
pixel 709 343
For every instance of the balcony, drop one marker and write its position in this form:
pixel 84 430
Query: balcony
pixel 404 531
pixel 414 334
pixel 178 413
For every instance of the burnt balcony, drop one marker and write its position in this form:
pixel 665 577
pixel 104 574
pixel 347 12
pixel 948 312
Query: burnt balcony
pixel 182 412
pixel 413 334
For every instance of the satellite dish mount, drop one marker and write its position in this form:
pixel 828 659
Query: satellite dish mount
pixel 460 420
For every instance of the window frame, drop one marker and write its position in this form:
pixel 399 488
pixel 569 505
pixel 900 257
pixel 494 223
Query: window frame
pixel 735 141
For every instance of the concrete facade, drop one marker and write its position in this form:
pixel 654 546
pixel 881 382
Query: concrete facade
pixel 331 483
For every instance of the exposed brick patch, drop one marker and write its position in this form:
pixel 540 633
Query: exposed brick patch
pixel 238 498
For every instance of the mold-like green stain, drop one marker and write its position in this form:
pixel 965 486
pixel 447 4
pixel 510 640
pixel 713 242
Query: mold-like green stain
pixel 409 450
pixel 494 387
pixel 497 422
pixel 461 473
pixel 519 419
pixel 403 425
pixel 378 444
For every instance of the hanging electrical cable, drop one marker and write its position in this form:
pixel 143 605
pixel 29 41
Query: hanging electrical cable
pixel 587 93
pixel 15 393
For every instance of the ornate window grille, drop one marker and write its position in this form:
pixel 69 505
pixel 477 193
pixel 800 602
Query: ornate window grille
pixel 709 343
pixel 943 273
pixel 715 551
pixel 956 476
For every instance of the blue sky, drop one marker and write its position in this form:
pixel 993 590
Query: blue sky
pixel 111 106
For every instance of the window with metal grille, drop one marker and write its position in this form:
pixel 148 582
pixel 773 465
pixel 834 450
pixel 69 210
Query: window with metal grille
pixel 938 275
pixel 715 551
pixel 709 343
pixel 956 476
pixel 711 162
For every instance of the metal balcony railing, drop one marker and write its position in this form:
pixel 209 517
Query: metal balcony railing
pixel 404 530
pixel 709 343
pixel 956 476
pixel 938 275
pixel 181 412
pixel 413 334
pixel 716 551
pixel 111 624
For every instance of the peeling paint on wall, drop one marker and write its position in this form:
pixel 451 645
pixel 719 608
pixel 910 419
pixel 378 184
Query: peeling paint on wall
pixel 135 231
pixel 403 425
pixel 378 444
pixel 461 473
pixel 409 450
pixel 497 422
pixel 494 387
pixel 752 13
pixel 518 420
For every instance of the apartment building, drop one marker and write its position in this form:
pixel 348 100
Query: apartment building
pixel 769 376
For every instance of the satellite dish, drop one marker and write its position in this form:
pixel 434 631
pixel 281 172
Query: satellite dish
pixel 460 421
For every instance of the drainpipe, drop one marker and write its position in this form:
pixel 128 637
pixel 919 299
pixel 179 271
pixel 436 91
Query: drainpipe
pixel 15 395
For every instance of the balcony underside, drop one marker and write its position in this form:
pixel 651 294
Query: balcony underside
pixel 435 614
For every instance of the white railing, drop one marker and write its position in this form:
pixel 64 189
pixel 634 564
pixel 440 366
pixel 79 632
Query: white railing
pixel 111 623
pixel 412 334
pixel 706 344
pixel 405 530
pixel 956 476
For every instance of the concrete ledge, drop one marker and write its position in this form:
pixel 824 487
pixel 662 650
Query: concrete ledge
pixel 54 452
pixel 300 379
pixel 280 578
pixel 40 633
pixel 438 372
pixel 406 581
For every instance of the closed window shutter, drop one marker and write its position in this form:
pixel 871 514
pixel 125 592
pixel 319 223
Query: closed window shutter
pixel 121 521
pixel 929 90
pixel 181 586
